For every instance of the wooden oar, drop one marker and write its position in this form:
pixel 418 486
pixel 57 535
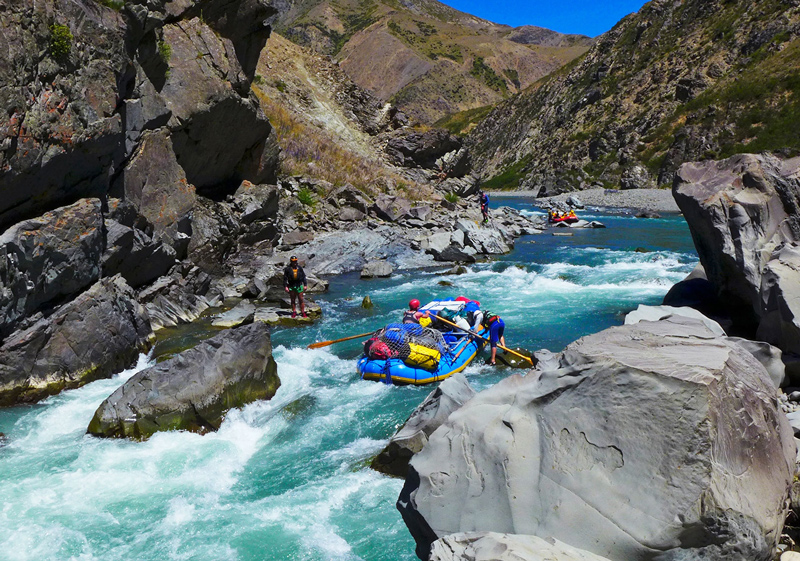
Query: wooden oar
pixel 326 343
pixel 529 359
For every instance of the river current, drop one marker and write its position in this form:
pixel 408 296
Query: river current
pixel 288 479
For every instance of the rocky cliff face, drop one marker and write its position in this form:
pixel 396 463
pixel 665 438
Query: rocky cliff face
pixel 744 215
pixel 677 82
pixel 83 84
pixel 117 124
pixel 427 58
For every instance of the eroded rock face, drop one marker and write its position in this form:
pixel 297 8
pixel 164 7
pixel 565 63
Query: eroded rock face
pixel 193 390
pixel 49 259
pixel 429 416
pixel 422 149
pixel 744 215
pixel 100 332
pixel 491 546
pixel 657 440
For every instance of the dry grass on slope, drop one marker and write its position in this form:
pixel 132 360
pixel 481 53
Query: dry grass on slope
pixel 309 151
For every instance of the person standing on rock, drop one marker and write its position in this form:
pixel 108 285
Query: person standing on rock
pixel 294 282
pixel 483 198
pixel 496 327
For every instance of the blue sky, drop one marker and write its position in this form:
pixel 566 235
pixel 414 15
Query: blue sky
pixel 588 17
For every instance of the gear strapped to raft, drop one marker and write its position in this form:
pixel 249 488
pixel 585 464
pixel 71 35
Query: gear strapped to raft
pixel 413 344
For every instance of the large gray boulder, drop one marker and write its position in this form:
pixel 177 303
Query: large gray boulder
pixel 49 259
pixel 100 332
pixel 657 441
pixel 483 239
pixel 426 418
pixel 491 546
pixel 744 215
pixel 379 269
pixel 192 390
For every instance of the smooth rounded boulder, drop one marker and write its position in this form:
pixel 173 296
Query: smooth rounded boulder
pixel 658 440
pixel 193 390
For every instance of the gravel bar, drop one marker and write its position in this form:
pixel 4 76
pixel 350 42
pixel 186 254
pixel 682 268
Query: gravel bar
pixel 658 200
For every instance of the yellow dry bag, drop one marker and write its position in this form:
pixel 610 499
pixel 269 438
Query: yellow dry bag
pixel 423 357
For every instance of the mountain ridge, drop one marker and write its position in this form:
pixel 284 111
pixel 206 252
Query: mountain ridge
pixel 425 57
pixel 672 83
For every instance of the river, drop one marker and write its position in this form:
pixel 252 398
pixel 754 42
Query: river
pixel 288 479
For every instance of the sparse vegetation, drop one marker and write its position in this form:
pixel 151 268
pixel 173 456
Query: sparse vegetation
pixel 60 42
pixel 258 80
pixel 464 121
pixel 484 72
pixel 164 51
pixel 310 151
pixel 510 177
pixel 307 197
pixel 451 197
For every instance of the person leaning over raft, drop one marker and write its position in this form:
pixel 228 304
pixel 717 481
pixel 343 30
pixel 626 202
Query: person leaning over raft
pixel 496 329
pixel 294 282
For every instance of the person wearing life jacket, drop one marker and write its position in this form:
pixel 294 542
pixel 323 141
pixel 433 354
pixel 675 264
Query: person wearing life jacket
pixel 483 198
pixel 496 327
pixel 294 282
pixel 413 315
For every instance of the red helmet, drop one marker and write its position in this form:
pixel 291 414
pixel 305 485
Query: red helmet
pixel 413 305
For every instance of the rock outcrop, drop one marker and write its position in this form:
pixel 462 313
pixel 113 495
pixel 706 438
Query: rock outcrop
pixel 149 99
pixel 100 332
pixel 47 260
pixel 658 440
pixel 426 418
pixel 744 215
pixel 192 390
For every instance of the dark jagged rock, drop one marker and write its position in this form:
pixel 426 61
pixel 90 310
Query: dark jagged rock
pixel 47 260
pixel 421 149
pixel 87 88
pixel 744 216
pixel 426 418
pixel 100 332
pixel 134 255
pixel 178 298
pixel 193 390
pixel 60 133
pixel 693 457
pixel 155 187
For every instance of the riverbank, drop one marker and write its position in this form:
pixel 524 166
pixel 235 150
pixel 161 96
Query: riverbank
pixel 658 200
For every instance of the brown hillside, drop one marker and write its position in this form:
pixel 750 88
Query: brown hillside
pixel 427 58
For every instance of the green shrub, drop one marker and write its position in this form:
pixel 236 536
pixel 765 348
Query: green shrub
pixel 451 197
pixel 60 41
pixel 307 197
pixel 258 80
pixel 484 72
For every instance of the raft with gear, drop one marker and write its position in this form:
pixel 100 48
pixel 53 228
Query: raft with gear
pixel 410 353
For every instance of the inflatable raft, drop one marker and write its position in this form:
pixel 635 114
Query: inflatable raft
pixel 396 371
pixel 403 354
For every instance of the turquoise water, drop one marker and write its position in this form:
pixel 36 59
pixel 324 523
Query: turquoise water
pixel 287 479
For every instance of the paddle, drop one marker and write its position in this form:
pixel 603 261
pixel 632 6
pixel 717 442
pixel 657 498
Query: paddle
pixel 529 359
pixel 326 343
